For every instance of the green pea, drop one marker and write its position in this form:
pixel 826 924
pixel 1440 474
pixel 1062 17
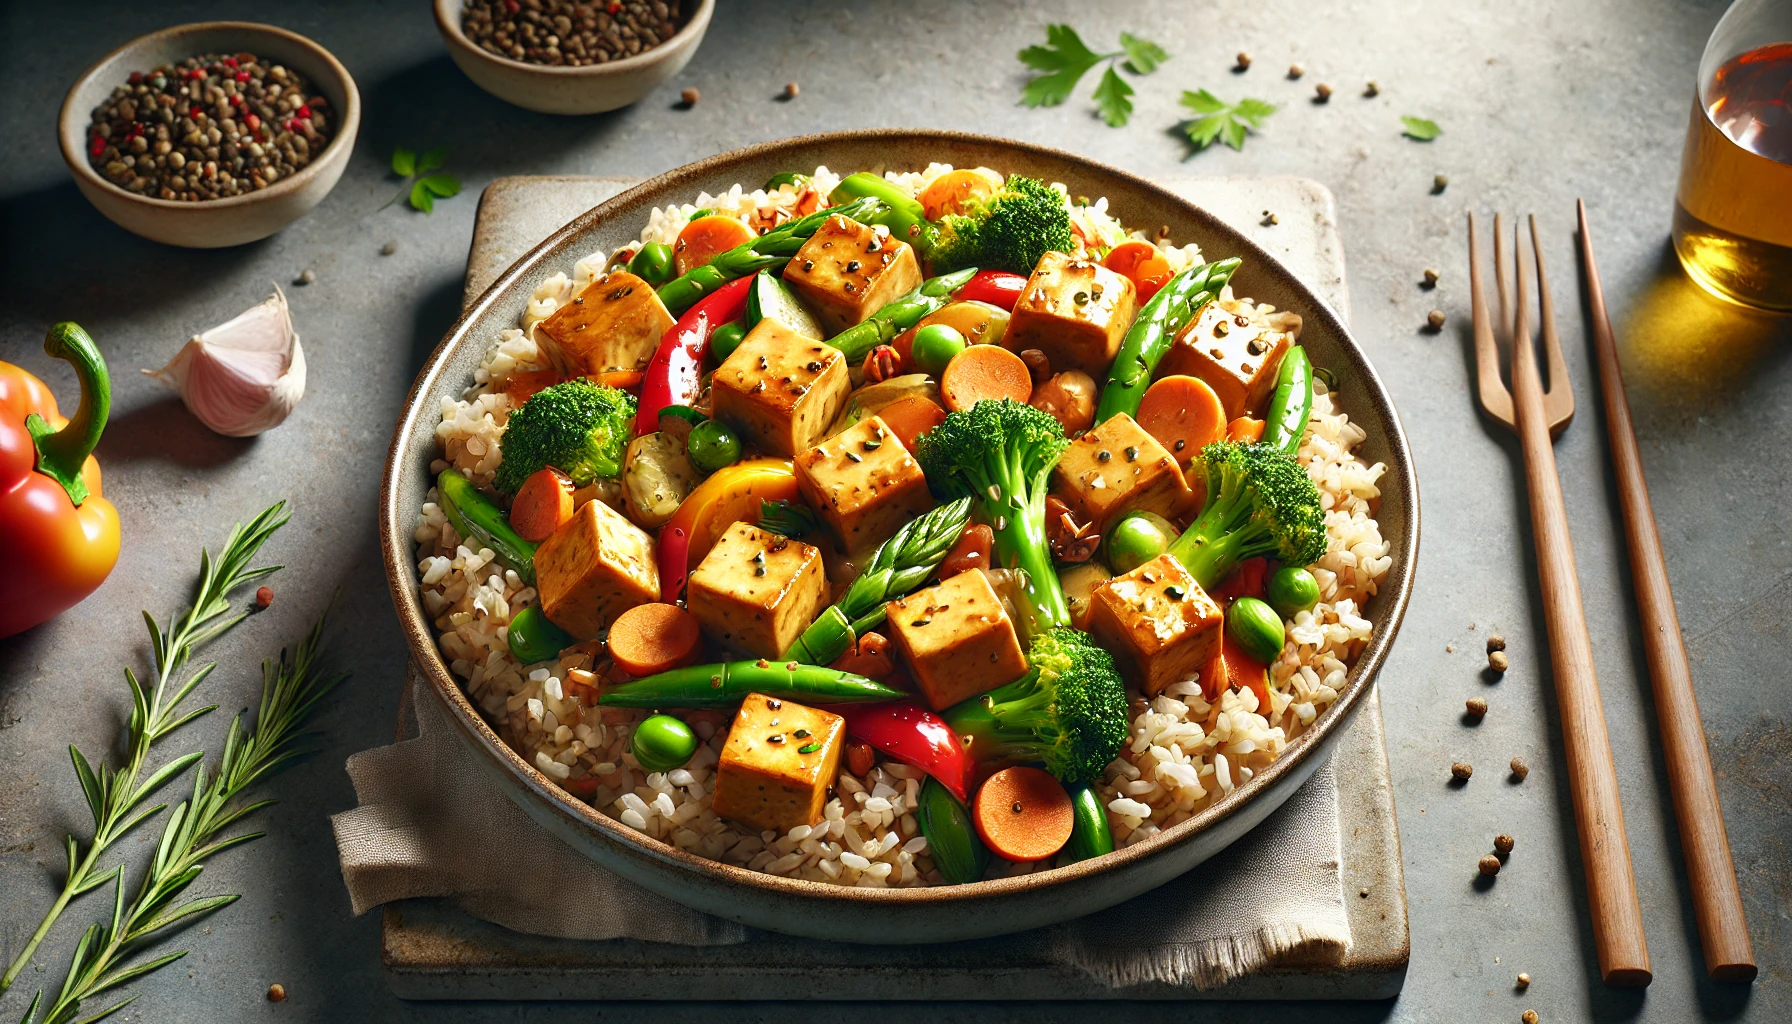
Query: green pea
pixel 662 743
pixel 1292 589
pixel 1255 626
pixel 934 347
pixel 713 446
pixel 1136 539
pixel 533 638
pixel 654 264
pixel 726 338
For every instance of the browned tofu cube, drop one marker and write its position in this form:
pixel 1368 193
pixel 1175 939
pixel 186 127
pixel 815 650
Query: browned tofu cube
pixel 957 639
pixel 1118 468
pixel 847 270
pixel 593 568
pixel 1236 357
pixel 778 763
pixel 781 389
pixel 864 483
pixel 1075 311
pixel 614 324
pixel 756 592
pixel 1157 622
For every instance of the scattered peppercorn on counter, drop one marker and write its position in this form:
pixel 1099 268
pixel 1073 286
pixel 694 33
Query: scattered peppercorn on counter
pixel 960 530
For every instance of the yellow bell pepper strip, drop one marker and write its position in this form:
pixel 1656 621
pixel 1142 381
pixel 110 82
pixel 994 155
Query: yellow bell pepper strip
pixel 730 495
pixel 61 535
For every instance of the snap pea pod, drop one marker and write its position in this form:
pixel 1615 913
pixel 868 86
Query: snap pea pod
pixel 1090 834
pixel 857 341
pixel 1153 331
pixel 952 840
pixel 1292 402
pixel 724 683
pixel 770 251
pixel 479 519
pixel 902 213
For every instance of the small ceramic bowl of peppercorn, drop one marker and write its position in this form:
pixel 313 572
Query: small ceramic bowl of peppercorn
pixel 211 134
pixel 572 56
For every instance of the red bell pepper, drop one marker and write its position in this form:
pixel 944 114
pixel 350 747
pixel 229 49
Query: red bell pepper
pixel 913 735
pixel 1247 579
pixel 996 287
pixel 675 374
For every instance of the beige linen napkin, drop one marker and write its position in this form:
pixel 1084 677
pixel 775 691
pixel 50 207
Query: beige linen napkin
pixel 431 824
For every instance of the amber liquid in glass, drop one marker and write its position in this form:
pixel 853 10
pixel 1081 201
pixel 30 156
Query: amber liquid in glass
pixel 1733 214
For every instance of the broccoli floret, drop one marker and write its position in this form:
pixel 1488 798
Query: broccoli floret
pixel 1068 712
pixel 1259 502
pixel 1009 230
pixel 579 427
pixel 1001 454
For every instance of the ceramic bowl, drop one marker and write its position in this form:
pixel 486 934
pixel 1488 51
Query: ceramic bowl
pixel 590 89
pixel 942 913
pixel 218 222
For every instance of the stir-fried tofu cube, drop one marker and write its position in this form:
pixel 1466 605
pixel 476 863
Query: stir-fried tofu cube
pixel 593 568
pixel 1118 468
pixel 957 639
pixel 614 324
pixel 778 763
pixel 1075 311
pixel 781 389
pixel 864 483
pixel 846 270
pixel 1236 354
pixel 1157 622
pixel 756 591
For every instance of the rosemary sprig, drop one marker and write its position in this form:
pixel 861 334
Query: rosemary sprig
pixel 115 795
pixel 111 955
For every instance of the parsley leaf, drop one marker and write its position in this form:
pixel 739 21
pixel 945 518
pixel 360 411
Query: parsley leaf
pixel 1142 55
pixel 1112 98
pixel 422 187
pixel 1065 59
pixel 1421 129
pixel 1222 121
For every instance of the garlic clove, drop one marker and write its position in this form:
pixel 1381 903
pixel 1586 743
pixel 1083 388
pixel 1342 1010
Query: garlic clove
pixel 244 376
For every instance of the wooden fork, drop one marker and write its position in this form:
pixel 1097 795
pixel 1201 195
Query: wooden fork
pixel 1593 781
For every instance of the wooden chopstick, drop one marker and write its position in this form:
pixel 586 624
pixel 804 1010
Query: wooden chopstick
pixel 1717 903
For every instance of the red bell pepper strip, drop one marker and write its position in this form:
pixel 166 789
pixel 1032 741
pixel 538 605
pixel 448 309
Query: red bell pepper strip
pixel 996 287
pixel 1247 579
pixel 675 374
pixel 913 735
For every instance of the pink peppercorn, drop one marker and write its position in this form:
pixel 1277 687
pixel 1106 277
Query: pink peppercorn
pixel 264 597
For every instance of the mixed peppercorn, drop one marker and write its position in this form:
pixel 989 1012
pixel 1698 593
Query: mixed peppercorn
pixel 209 127
pixel 569 33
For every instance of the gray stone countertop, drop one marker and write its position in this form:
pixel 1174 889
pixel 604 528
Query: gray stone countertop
pixel 1540 103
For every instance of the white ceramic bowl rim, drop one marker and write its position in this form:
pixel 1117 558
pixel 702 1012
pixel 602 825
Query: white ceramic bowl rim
pixel 423 401
pixel 72 122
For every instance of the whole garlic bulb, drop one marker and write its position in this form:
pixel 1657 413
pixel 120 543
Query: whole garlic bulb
pixel 243 376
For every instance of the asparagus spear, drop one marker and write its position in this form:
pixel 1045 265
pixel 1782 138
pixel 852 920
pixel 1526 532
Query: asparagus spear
pixel 1153 331
pixel 769 251
pixel 892 319
pixel 898 567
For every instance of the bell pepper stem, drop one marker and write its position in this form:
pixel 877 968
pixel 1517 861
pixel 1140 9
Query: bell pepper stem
pixel 61 454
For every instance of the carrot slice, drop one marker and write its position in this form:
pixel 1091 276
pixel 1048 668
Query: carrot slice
pixel 984 371
pixel 622 380
pixel 1245 428
pixel 951 192
pixel 1184 415
pixel 650 638
pixel 522 386
pixel 911 417
pixel 706 238
pixel 1142 263
pixel 1023 814
pixel 542 504
pixel 1233 669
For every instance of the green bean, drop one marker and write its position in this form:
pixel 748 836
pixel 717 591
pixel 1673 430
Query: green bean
pixel 725 683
